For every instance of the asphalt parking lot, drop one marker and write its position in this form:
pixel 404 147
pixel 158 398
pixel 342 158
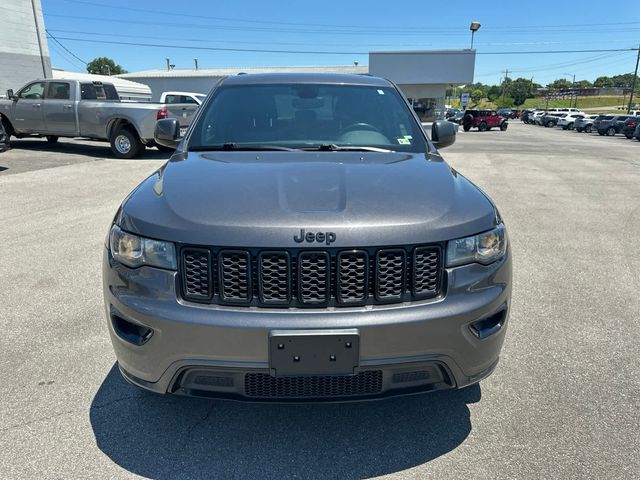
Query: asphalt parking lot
pixel 563 403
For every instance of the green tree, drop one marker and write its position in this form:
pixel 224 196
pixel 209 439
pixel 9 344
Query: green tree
pixel 104 66
pixel 521 89
pixel 560 84
pixel 603 82
pixel 476 96
pixel 584 84
pixel 494 92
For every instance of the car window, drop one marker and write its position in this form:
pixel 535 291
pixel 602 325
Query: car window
pixel 58 91
pixel 308 115
pixel 187 99
pixel 34 91
pixel 172 99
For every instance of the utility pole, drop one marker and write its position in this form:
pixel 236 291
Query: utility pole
pixel 504 85
pixel 633 85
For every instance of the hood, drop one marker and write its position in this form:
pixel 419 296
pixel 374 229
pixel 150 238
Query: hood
pixel 265 199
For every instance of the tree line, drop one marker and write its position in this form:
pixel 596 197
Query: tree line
pixel 514 92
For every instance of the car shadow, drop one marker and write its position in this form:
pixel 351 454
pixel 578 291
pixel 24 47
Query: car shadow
pixel 166 437
pixel 90 149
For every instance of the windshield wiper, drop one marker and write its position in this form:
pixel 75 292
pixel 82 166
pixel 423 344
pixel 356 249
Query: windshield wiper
pixel 239 147
pixel 332 147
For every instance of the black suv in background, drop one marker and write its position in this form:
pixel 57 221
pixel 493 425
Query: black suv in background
pixel 551 119
pixel 506 113
pixel 612 126
pixel 629 127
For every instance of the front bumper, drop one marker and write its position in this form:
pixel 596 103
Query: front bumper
pixel 168 345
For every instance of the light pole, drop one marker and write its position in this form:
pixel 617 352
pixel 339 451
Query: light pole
pixel 573 86
pixel 474 27
pixel 633 85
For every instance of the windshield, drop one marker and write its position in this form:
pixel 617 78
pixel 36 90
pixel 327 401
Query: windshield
pixel 308 116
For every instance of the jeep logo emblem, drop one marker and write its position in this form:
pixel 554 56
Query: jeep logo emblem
pixel 310 237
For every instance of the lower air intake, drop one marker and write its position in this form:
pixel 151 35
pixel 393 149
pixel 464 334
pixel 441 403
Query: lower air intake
pixel 263 385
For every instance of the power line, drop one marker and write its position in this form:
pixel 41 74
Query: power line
pixel 322 31
pixel 326 52
pixel 65 48
pixel 174 14
pixel 154 37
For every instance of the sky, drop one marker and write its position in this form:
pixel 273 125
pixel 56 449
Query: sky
pixel 141 34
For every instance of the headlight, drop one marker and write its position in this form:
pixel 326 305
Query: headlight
pixel 484 248
pixel 134 251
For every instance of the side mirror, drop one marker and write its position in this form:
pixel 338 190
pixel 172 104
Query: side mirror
pixel 167 132
pixel 10 95
pixel 443 133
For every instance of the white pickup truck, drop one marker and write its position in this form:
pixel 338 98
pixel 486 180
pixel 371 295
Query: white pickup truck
pixel 182 97
pixel 56 108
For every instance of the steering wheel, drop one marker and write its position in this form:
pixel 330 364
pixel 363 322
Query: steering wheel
pixel 359 126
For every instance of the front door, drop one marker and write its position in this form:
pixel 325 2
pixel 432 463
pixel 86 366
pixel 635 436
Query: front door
pixel 27 109
pixel 59 112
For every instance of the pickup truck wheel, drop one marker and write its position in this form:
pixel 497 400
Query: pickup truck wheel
pixel 482 127
pixel 611 131
pixel 125 143
pixel 52 139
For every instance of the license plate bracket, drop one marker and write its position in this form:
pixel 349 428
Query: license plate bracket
pixel 314 352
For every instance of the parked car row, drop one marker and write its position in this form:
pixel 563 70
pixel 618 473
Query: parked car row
pixel 573 119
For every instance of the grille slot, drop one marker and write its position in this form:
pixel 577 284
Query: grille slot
pixel 390 274
pixel 235 276
pixel 274 278
pixel 310 278
pixel 353 276
pixel 196 274
pixel 263 385
pixel 426 271
pixel 313 277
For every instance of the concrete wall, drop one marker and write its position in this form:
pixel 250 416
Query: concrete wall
pixel 22 39
pixel 430 67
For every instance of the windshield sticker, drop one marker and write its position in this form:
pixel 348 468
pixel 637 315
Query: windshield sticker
pixel 380 92
pixel 404 141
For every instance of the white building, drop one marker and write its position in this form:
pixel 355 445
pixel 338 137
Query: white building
pixel 24 54
pixel 424 76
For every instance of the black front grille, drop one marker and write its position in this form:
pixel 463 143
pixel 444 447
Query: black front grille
pixel 390 274
pixel 313 277
pixel 274 278
pixel 235 275
pixel 263 385
pixel 310 278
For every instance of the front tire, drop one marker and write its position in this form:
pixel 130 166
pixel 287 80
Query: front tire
pixel 125 143
pixel 611 132
pixel 52 139
pixel 504 126
pixel 570 126
pixel 588 129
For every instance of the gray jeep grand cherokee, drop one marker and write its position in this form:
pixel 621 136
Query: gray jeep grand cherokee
pixel 306 241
